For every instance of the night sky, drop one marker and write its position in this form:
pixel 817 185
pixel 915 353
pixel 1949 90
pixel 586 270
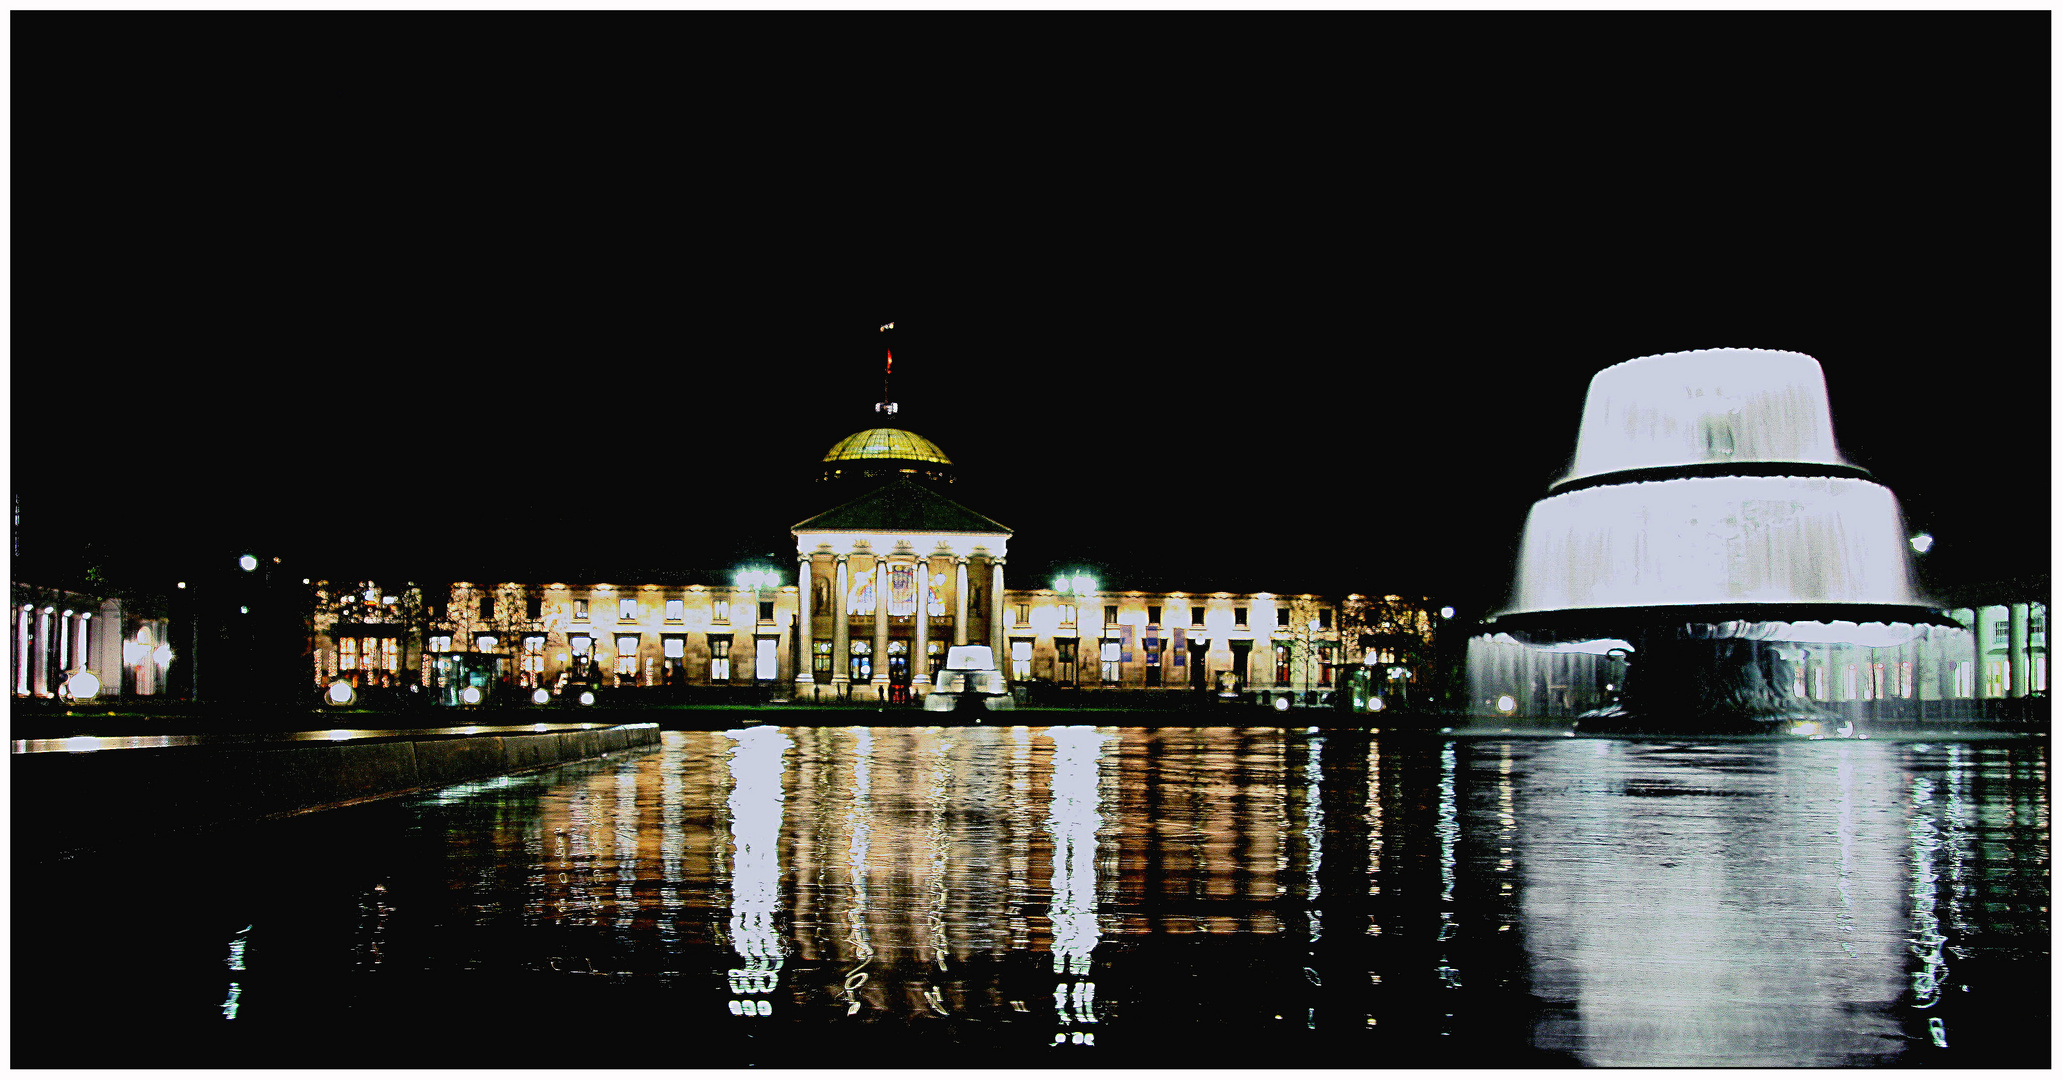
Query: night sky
pixel 1305 304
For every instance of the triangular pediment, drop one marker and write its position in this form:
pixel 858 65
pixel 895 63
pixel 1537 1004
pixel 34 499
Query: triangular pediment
pixel 902 506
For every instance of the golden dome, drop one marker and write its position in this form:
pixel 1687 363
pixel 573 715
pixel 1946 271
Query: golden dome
pixel 887 444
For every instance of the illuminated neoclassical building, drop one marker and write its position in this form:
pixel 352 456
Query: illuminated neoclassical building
pixel 884 583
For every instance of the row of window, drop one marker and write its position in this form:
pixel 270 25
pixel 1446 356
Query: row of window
pixel 627 609
pixel 1068 615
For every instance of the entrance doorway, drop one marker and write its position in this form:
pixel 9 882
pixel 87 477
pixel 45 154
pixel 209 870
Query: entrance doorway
pixel 898 671
pixel 1197 651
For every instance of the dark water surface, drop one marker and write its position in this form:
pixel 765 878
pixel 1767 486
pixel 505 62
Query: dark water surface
pixel 1041 897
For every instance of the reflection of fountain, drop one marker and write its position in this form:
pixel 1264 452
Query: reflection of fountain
pixel 1708 529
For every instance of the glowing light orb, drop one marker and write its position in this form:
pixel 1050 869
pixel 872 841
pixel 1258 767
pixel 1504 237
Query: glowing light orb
pixel 541 696
pixel 1281 704
pixel 1506 704
pixel 1922 543
pixel 83 686
pixel 248 562
pixel 586 697
pixel 340 693
pixel 1375 704
pixel 1446 613
pixel 470 695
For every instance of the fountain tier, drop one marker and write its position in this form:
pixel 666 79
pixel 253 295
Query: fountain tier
pixel 1709 516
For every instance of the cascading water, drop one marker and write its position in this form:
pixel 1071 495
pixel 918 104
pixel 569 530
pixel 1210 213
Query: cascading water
pixel 1708 533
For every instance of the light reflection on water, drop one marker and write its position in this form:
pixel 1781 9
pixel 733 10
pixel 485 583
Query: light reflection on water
pixel 1176 896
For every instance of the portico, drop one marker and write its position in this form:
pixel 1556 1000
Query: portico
pixel 893 577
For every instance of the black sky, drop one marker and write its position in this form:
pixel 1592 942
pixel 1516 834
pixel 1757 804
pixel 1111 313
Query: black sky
pixel 1306 302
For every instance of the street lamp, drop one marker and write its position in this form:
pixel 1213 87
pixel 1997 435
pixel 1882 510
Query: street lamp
pixel 1922 543
pixel 1070 588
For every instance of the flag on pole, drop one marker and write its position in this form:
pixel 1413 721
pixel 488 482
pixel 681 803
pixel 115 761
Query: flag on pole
pixel 890 326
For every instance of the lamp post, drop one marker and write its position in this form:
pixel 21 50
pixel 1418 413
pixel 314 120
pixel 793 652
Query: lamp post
pixel 758 581
pixel 1070 588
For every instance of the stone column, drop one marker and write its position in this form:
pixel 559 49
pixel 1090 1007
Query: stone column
pixel 805 636
pixel 841 628
pixel 2017 641
pixel 1981 635
pixel 920 653
pixel 997 640
pixel 880 626
pixel 959 600
pixel 42 686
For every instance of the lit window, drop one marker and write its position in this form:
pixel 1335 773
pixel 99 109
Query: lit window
pixel 767 661
pixel 626 655
pixel 1063 659
pixel 582 644
pixel 674 610
pixel 719 659
pixel 486 642
pixel 580 609
pixel 533 656
pixel 626 610
pixel 675 646
pixel 1020 660
pixel 1066 614
pixel 721 611
pixel 820 662
pixel 862 661
pixel 1023 614
pixel 1111 667
pixel 1110 614
pixel 440 642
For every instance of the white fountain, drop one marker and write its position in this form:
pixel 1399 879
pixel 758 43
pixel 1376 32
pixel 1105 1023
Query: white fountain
pixel 1709 525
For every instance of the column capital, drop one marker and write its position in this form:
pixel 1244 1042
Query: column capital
pixel 960 559
pixel 843 555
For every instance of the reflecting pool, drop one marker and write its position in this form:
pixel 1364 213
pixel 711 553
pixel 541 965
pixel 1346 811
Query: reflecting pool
pixel 1086 896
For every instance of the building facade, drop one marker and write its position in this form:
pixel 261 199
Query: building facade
pixel 57 634
pixel 883 585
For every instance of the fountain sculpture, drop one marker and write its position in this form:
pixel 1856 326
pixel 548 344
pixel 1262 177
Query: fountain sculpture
pixel 970 682
pixel 1709 527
